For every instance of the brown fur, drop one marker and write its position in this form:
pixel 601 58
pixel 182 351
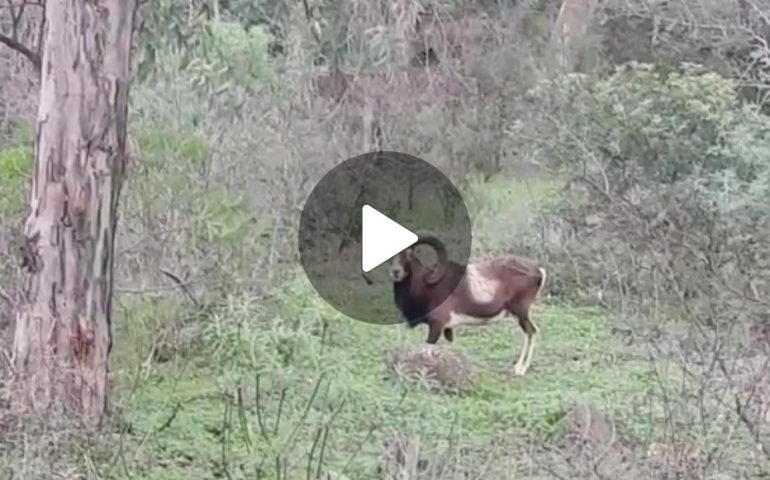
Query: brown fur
pixel 511 283
pixel 517 291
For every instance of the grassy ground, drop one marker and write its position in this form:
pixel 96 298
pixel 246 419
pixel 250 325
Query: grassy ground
pixel 292 388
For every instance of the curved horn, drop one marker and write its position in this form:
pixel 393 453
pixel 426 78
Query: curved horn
pixel 428 238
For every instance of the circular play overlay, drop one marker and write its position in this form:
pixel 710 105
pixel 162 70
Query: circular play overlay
pixel 405 189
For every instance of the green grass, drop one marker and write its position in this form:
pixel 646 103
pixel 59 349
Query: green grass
pixel 15 170
pixel 573 361
pixel 323 390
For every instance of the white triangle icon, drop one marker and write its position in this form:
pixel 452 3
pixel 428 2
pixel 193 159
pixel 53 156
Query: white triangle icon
pixel 382 238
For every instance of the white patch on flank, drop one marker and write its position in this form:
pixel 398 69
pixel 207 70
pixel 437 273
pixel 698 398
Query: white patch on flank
pixel 460 319
pixel 481 288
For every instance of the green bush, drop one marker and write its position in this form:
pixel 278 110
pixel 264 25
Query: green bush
pixel 231 56
pixel 199 219
pixel 664 222
pixel 668 174
pixel 219 59
pixel 649 124
pixel 162 147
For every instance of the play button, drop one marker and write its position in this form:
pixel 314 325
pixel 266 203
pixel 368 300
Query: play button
pixel 382 238
pixel 366 210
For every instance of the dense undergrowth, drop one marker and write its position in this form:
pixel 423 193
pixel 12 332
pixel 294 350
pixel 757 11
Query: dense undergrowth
pixel 258 384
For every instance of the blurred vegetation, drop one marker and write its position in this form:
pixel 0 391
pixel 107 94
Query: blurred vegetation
pixel 640 180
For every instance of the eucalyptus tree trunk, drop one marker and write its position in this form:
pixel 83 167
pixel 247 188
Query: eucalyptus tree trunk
pixel 62 336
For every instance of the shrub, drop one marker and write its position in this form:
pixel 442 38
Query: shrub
pixel 232 55
pixel 648 125
pixel 667 192
pixel 649 152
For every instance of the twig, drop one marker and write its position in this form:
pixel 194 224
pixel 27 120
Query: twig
pixel 167 423
pixel 17 46
pixel 182 285
pixel 750 425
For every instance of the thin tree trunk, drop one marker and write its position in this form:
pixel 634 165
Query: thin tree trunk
pixel 570 26
pixel 62 337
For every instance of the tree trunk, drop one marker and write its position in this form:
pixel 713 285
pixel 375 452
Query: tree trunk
pixel 570 26
pixel 62 337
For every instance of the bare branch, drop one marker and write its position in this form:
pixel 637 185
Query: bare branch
pixel 182 285
pixel 23 50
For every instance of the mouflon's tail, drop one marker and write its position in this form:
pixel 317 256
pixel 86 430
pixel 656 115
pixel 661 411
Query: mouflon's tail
pixel 541 284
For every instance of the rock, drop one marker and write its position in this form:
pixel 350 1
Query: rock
pixel 591 446
pixel 587 424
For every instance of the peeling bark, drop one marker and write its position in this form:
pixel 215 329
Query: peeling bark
pixel 62 337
